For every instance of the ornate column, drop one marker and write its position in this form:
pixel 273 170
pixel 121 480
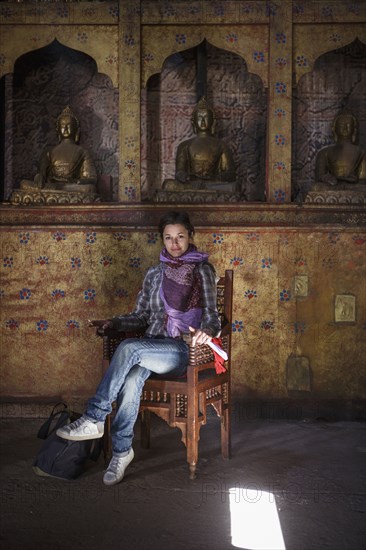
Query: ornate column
pixel 279 104
pixel 129 100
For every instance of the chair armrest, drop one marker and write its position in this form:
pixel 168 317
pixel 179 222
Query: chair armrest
pixel 114 334
pixel 226 329
pixel 202 355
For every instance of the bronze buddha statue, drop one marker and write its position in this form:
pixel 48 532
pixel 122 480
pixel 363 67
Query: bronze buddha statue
pixel 68 166
pixel 344 162
pixel 203 162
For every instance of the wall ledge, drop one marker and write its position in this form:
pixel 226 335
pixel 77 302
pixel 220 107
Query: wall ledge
pixel 146 216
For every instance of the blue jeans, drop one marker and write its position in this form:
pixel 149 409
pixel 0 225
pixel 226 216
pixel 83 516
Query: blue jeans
pixel 132 363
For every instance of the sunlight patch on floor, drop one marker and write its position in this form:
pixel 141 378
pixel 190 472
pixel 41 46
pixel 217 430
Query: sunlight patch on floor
pixel 255 524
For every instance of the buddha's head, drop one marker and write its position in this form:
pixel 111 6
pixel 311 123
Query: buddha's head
pixel 67 125
pixel 345 127
pixel 203 117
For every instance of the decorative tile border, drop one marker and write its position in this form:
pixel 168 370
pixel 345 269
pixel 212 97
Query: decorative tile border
pixel 42 13
pixel 325 11
pixel 206 11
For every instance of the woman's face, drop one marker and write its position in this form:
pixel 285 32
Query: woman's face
pixel 176 239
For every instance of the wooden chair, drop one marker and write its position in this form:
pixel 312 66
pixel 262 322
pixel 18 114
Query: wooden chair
pixel 183 402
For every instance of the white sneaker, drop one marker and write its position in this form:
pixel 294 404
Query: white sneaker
pixel 116 468
pixel 81 429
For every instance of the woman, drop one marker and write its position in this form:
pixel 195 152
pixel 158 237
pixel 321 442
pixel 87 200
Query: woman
pixel 178 296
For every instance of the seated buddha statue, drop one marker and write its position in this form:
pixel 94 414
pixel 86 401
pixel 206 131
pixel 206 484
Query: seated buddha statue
pixel 344 162
pixel 67 166
pixel 203 162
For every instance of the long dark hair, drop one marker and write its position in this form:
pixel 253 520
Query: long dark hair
pixel 172 218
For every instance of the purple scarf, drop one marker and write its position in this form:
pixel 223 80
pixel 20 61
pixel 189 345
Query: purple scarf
pixel 181 290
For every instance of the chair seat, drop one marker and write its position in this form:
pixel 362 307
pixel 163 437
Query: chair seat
pixel 204 373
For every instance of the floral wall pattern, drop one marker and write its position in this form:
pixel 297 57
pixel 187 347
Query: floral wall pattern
pixel 53 281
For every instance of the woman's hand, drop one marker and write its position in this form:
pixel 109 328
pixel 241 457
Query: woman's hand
pixel 199 336
pixel 102 324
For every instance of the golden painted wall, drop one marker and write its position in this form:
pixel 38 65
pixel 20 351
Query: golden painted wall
pixel 61 266
pixel 53 280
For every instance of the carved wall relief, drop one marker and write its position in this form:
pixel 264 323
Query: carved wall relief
pixel 345 308
pixel 298 374
pixel 301 285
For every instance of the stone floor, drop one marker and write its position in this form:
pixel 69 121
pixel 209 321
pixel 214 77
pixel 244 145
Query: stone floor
pixel 294 484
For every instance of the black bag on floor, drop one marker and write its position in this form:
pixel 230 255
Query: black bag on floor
pixel 59 457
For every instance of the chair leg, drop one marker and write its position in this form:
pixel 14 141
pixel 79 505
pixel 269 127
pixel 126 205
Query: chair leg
pixel 107 443
pixel 145 429
pixel 192 471
pixel 226 434
pixel 192 449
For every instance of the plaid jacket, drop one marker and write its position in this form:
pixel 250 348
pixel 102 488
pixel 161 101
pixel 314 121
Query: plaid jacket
pixel 149 310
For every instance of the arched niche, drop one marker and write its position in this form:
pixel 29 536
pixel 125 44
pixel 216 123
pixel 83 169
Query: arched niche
pixel 44 81
pixel 337 81
pixel 238 99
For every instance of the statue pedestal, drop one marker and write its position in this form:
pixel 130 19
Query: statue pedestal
pixel 197 196
pixel 51 197
pixel 354 193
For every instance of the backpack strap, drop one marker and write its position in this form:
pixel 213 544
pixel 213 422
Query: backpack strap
pixel 62 415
